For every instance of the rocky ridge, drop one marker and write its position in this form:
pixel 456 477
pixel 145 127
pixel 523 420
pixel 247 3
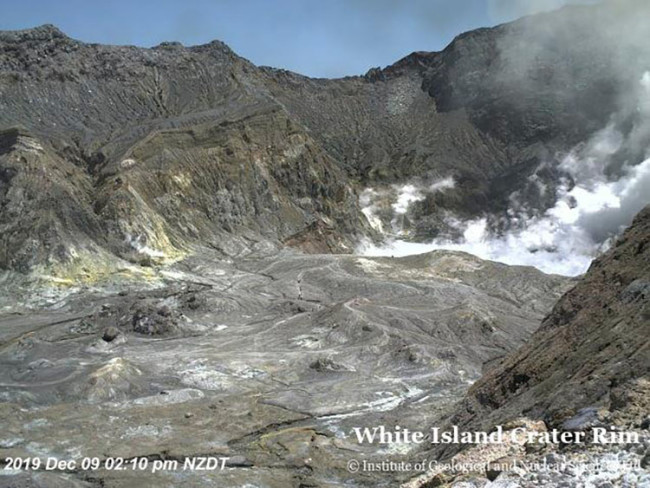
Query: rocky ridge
pixel 586 366
pixel 133 139
pixel 161 192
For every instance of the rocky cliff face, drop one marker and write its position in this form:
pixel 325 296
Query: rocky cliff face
pixel 161 186
pixel 586 366
pixel 141 154
pixel 590 351
pixel 162 149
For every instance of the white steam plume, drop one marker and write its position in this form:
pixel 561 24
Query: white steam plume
pixel 406 195
pixel 510 9
pixel 591 208
pixel 391 204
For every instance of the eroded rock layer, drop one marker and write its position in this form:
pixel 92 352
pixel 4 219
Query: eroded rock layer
pixel 270 362
pixel 145 153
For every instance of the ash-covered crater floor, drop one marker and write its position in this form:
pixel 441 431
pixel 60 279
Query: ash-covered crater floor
pixel 269 361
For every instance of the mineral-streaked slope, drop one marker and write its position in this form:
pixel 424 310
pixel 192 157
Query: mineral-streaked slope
pixel 149 308
pixel 146 153
pixel 586 366
pixel 254 176
pixel 270 361
pixel 141 154
pixel 590 351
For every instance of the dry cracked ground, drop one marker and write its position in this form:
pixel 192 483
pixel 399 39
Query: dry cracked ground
pixel 268 361
pixel 115 159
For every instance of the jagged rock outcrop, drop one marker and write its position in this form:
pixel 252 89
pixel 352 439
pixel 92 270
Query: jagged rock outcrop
pixel 592 350
pixel 586 367
pixel 114 159
pixel 175 146
pixel 142 154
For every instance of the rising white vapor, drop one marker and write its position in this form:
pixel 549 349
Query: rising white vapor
pixel 591 208
pixel 509 9
pixel 370 208
pixel 406 195
pixel 389 205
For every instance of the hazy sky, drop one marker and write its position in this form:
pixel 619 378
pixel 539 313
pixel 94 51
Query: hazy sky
pixel 326 38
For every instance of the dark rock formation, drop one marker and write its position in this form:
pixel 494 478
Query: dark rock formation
pixel 144 153
pixel 592 350
pixel 115 160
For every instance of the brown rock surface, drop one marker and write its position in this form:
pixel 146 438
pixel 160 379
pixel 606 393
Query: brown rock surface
pixel 593 349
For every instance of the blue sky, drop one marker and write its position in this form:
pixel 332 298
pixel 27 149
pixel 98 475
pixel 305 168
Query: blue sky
pixel 326 38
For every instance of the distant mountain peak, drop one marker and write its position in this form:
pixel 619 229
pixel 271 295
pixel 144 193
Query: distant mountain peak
pixel 43 32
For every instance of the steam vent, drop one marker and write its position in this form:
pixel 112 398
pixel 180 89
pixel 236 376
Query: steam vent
pixel 215 273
